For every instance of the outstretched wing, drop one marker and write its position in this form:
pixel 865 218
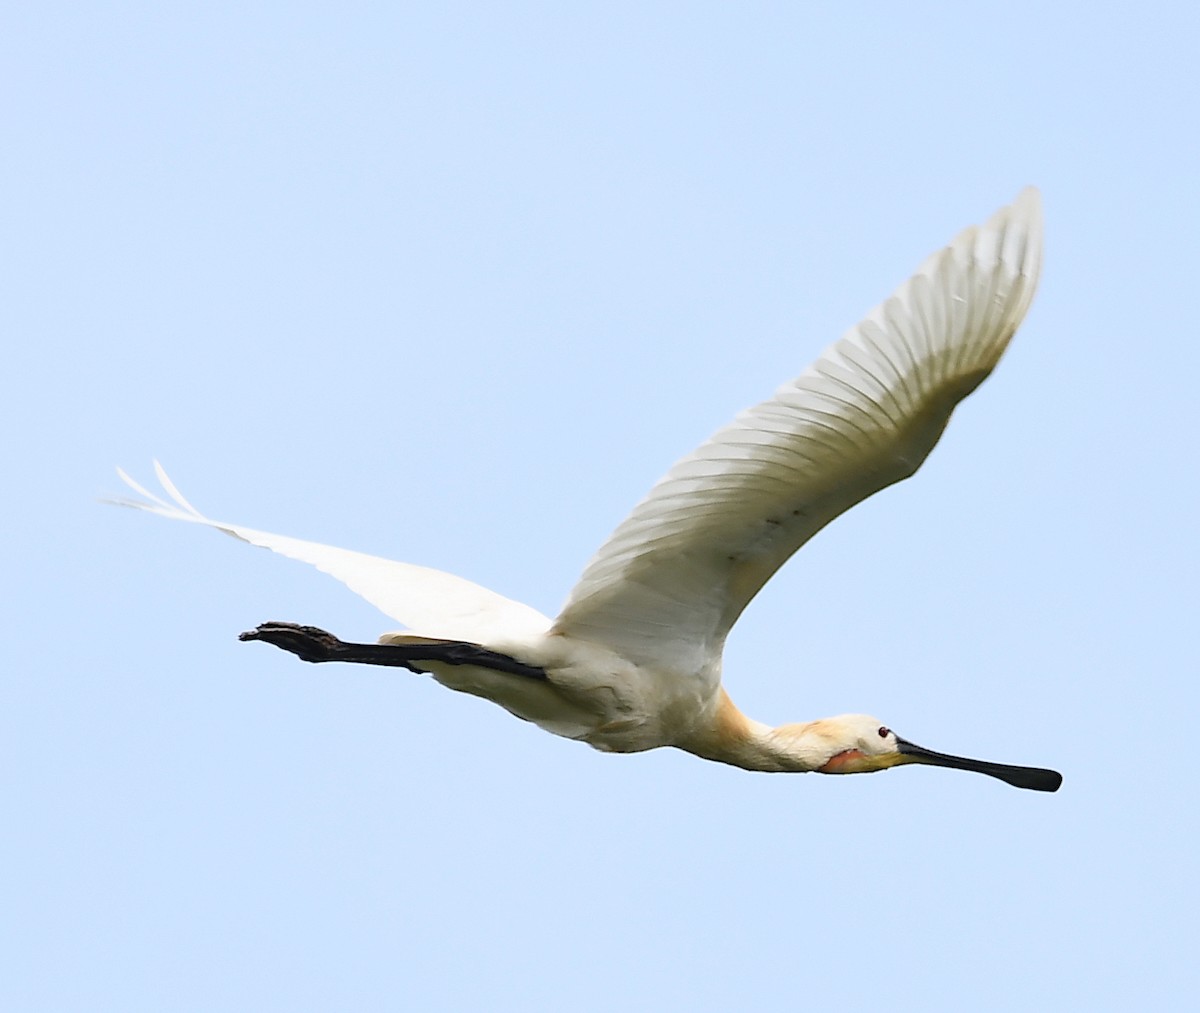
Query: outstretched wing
pixel 434 603
pixel 675 575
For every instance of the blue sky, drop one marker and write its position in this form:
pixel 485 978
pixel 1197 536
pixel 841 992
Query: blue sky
pixel 454 284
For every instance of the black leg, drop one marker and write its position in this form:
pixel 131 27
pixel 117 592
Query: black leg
pixel 309 643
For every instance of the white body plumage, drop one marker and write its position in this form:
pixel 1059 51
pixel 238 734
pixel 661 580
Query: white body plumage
pixel 633 660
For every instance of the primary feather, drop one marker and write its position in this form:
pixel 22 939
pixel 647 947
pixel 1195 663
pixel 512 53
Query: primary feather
pixel 435 603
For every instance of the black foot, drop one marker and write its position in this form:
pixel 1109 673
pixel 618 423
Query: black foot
pixel 309 643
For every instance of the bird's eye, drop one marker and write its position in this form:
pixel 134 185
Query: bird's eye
pixel 883 732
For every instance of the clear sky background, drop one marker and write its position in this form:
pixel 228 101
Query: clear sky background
pixel 454 283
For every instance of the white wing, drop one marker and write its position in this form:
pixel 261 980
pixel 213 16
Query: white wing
pixel 434 603
pixel 675 575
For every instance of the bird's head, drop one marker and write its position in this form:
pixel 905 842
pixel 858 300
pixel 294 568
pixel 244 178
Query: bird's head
pixel 859 744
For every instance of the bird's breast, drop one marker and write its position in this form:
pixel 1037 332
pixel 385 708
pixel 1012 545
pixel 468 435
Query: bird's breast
pixel 640 707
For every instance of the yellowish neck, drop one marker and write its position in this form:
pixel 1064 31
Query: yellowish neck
pixel 732 737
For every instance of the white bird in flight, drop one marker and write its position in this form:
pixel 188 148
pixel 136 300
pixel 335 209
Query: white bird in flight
pixel 633 661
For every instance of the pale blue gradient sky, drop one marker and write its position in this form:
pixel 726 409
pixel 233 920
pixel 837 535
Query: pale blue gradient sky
pixel 455 284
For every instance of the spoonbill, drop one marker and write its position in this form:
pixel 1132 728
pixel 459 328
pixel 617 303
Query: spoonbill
pixel 633 660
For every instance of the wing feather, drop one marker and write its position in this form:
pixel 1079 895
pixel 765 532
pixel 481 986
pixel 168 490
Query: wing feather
pixel 675 575
pixel 437 604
